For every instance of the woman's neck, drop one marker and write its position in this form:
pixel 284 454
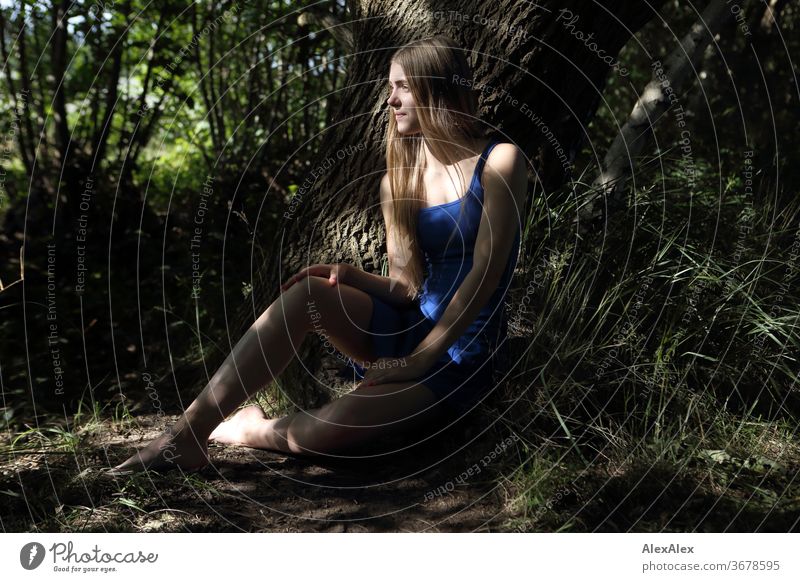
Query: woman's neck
pixel 452 153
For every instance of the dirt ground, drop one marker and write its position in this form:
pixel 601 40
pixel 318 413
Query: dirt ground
pixel 418 489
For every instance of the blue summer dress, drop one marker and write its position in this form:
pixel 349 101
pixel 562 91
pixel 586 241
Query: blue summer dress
pixel 464 373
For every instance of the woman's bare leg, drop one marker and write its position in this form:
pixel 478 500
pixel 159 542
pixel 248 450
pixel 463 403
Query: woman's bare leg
pixel 261 355
pixel 362 416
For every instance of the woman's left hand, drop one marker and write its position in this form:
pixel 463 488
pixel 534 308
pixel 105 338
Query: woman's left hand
pixel 402 369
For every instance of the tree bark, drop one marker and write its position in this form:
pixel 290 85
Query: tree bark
pixel 771 15
pixel 59 67
pixel 538 74
pixel 21 106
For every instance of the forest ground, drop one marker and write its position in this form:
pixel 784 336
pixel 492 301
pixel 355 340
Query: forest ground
pixel 52 480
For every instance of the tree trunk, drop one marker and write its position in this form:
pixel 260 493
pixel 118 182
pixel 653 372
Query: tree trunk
pixel 116 44
pixel 20 102
pixel 657 98
pixel 540 82
pixel 59 67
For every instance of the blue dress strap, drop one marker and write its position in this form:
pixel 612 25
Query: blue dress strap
pixel 486 151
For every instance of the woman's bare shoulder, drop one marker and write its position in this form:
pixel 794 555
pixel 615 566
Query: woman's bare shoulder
pixel 505 157
pixel 506 171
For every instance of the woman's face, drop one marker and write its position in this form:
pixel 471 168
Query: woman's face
pixel 401 102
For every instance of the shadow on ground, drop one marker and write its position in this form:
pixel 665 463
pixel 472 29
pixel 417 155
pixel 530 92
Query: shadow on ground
pixel 255 490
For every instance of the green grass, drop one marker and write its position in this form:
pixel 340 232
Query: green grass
pixel 691 424
pixel 700 358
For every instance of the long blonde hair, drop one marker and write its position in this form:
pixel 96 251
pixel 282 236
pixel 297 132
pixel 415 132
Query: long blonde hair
pixel 440 81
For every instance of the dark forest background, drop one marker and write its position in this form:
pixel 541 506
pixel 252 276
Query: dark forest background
pixel 160 175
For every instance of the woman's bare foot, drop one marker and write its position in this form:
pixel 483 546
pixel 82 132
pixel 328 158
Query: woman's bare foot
pixel 171 450
pixel 241 428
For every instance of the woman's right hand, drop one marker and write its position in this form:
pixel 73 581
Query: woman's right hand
pixel 335 274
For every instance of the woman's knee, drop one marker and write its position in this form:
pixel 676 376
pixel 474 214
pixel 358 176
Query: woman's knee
pixel 310 292
pixel 338 305
pixel 339 313
pixel 303 300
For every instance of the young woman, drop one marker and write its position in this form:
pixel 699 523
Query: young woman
pixel 425 336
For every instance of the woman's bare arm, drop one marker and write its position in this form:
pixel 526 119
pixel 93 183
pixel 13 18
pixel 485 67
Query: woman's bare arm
pixel 395 288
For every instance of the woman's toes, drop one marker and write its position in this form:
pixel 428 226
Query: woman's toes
pixel 131 465
pixel 219 433
pixel 164 453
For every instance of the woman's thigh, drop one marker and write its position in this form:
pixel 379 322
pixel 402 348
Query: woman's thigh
pixel 369 413
pixel 340 313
